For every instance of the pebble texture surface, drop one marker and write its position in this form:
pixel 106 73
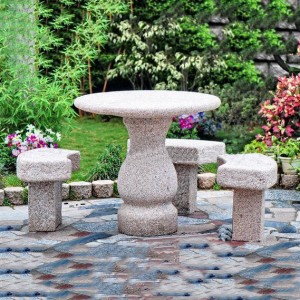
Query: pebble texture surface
pixel 249 175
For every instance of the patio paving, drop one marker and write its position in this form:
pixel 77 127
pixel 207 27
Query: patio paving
pixel 86 258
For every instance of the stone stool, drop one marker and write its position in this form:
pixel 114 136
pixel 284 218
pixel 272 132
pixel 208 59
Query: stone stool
pixel 186 156
pixel 44 169
pixel 249 175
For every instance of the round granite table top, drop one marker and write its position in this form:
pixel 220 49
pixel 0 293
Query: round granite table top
pixel 147 103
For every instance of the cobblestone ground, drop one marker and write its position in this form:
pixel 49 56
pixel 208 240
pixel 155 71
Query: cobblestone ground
pixel 86 258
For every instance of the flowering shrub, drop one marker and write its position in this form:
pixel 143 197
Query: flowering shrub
pixel 31 138
pixel 193 127
pixel 283 112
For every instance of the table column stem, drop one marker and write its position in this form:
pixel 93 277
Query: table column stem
pixel 147 180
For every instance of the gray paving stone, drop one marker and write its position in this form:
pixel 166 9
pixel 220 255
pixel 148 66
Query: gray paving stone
pixel 282 195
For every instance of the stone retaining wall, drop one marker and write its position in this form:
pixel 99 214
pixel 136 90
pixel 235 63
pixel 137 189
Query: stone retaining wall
pixel 266 64
pixel 207 181
pixel 73 191
pixel 106 188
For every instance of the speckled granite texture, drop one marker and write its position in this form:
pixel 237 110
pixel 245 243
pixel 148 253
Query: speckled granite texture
pixel 14 195
pixel 206 180
pixel 147 181
pixel 248 215
pixel 65 191
pixel 45 169
pixel 44 206
pixel 186 155
pixel 1 196
pixel 247 171
pixel 185 199
pixel 80 190
pixel 103 188
pixel 194 152
pixel 47 164
pixel 249 175
pixel 147 104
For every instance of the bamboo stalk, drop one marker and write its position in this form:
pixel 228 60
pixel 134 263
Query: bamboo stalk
pixel 131 6
pixel 106 77
pixel 90 81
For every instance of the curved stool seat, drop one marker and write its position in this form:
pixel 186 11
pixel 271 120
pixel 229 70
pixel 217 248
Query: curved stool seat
pixel 249 175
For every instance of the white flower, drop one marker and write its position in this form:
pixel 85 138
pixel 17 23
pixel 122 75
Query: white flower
pixel 49 131
pixel 15 152
pixel 23 148
pixel 30 127
pixel 49 139
pixel 58 136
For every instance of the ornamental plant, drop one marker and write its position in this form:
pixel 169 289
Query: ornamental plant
pixel 282 113
pixel 195 126
pixel 31 138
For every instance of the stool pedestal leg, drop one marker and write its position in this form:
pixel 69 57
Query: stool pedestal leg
pixel 45 203
pixel 185 199
pixel 248 215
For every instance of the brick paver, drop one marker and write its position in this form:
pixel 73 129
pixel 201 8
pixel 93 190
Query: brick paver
pixel 86 258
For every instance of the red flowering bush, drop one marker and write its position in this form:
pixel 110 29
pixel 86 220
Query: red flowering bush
pixel 283 111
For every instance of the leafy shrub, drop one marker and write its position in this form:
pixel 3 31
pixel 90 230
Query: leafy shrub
pixel 239 103
pixel 236 137
pixel 237 70
pixel 147 63
pixel 193 127
pixel 108 164
pixel 256 147
pixel 282 113
pixel 289 148
pixel 241 39
pixel 27 97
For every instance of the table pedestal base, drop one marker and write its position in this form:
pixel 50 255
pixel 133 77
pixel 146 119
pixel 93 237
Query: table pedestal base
pixel 147 181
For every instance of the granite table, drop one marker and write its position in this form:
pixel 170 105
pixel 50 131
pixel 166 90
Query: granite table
pixel 147 181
